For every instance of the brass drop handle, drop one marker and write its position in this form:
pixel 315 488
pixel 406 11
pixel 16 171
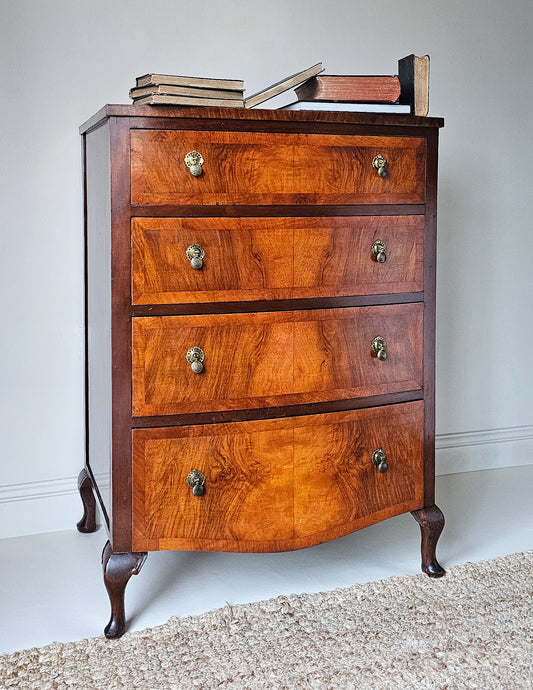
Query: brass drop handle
pixel 380 165
pixel 196 480
pixel 379 250
pixel 195 254
pixel 195 356
pixel 379 346
pixel 379 458
pixel 194 161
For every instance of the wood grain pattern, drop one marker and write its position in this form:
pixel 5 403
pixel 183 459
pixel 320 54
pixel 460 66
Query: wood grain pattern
pixel 272 168
pixel 274 358
pixel 332 469
pixel 274 258
pixel 285 308
pixel 276 484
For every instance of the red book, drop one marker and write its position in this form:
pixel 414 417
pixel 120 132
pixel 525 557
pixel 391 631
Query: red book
pixel 328 87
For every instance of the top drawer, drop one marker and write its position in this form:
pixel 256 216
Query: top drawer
pixel 272 168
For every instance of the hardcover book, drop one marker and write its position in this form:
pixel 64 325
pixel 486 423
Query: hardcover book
pixel 329 87
pixel 200 82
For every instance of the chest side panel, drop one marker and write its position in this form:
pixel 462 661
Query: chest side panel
pixel 99 313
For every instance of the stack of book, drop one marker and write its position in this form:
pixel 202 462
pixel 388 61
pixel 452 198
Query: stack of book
pixel 169 89
pixel 406 92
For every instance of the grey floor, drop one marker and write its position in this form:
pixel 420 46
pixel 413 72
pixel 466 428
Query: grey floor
pixel 51 585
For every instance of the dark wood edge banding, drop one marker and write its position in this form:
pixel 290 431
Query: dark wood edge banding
pixel 121 481
pixel 275 211
pixel 430 258
pixel 277 305
pixel 272 412
pixel 234 119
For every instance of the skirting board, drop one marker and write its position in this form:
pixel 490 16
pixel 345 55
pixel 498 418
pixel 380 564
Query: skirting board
pixel 37 507
pixel 483 450
pixel 55 505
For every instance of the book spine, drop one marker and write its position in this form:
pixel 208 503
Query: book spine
pixel 197 82
pixel 162 99
pixel 406 74
pixel 191 91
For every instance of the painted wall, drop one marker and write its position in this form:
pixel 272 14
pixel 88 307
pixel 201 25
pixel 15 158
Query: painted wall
pixel 63 59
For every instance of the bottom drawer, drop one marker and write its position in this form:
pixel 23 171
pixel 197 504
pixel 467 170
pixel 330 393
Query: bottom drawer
pixel 277 484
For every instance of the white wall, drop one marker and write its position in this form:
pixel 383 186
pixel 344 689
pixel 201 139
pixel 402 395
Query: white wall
pixel 63 59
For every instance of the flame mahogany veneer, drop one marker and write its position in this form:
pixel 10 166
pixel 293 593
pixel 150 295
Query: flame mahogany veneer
pixel 292 402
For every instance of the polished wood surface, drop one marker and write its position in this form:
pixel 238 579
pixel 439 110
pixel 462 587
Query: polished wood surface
pixel 271 168
pixel 285 308
pixel 274 258
pixel 120 338
pixel 154 421
pixel 430 319
pixel 118 569
pixel 276 484
pixel 180 117
pixel 248 306
pixel 87 524
pixel 334 475
pixel 431 521
pixel 274 358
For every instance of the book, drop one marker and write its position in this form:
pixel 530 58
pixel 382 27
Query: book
pixel 283 85
pixel 413 73
pixel 192 91
pixel 350 106
pixel 166 99
pixel 200 82
pixel 330 87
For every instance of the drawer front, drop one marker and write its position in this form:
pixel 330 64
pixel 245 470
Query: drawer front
pixel 274 168
pixel 274 258
pixel 275 484
pixel 274 358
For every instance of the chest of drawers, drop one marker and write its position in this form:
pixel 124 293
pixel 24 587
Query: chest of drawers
pixel 260 319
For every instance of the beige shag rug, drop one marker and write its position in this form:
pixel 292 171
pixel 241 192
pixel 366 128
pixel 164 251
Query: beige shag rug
pixel 471 629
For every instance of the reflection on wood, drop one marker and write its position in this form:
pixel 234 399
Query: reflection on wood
pixel 274 258
pixel 275 484
pixel 274 358
pixel 274 168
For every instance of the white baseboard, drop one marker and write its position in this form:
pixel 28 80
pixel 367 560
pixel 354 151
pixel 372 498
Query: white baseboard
pixel 484 450
pixel 49 508
pixel 54 505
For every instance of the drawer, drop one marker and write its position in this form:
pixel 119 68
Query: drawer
pixel 274 168
pixel 274 258
pixel 275 484
pixel 269 359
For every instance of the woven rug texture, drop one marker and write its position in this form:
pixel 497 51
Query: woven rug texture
pixel 470 629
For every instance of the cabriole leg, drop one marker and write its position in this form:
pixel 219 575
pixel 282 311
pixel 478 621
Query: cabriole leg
pixel 118 568
pixel 88 521
pixel 431 521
